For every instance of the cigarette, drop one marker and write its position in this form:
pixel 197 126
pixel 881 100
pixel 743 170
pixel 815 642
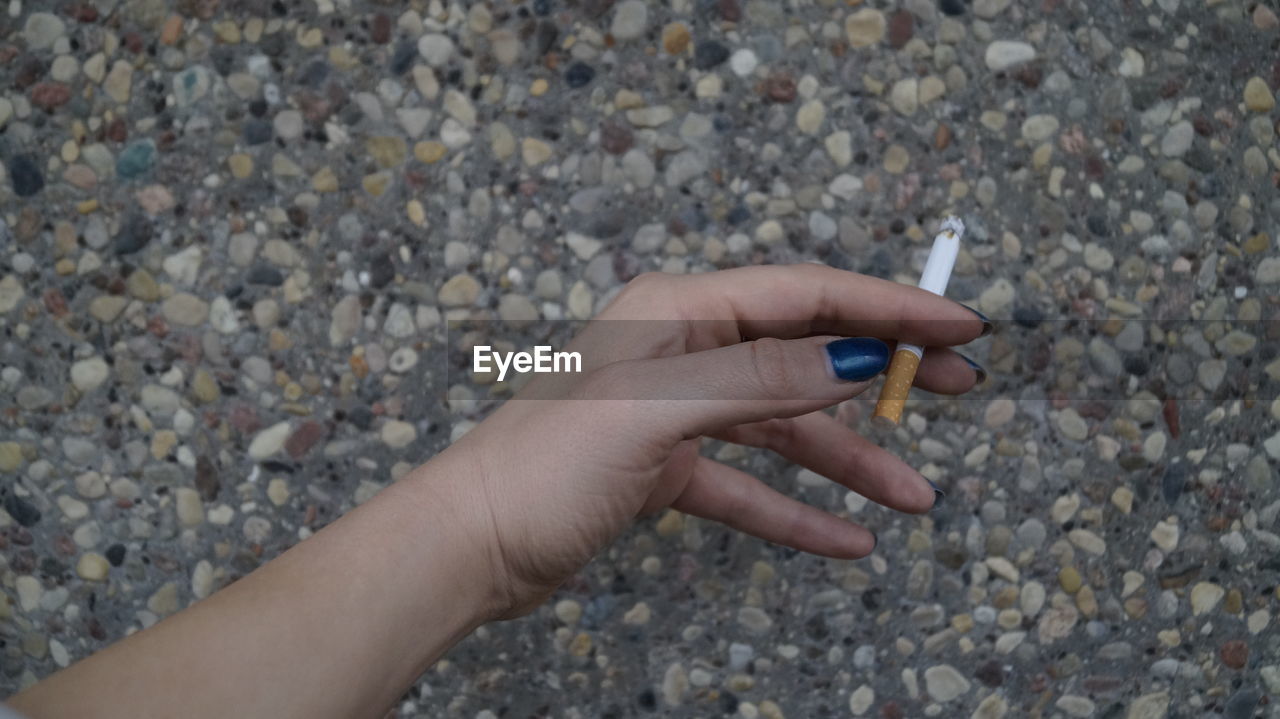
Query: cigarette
pixel 906 358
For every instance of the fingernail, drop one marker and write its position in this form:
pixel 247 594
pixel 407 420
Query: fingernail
pixel 855 359
pixel 875 541
pixel 982 373
pixel 987 324
pixel 938 494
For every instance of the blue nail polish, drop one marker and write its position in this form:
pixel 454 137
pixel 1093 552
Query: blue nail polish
pixel 977 368
pixel 987 324
pixel 938 494
pixel 855 359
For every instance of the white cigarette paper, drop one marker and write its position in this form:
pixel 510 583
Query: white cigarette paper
pixel 902 369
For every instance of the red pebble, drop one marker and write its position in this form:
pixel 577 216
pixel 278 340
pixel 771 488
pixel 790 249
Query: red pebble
pixel 55 302
pixel 730 10
pixel 50 95
pixel 157 326
pixel 303 439
pixel 65 545
pixel 117 130
pixel 133 41
pixel 902 25
pixel 1235 654
pixel 780 87
pixel 380 29
pixel 615 138
pixel 1171 417
pixel 244 419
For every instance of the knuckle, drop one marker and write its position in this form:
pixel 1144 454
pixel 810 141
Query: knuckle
pixel 638 297
pixel 779 434
pixel 777 376
pixel 643 286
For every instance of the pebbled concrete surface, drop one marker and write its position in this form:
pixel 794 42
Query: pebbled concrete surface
pixel 232 234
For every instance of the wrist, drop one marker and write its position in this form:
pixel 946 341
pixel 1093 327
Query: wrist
pixel 461 535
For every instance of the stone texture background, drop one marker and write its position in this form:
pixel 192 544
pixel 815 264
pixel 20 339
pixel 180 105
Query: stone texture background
pixel 231 234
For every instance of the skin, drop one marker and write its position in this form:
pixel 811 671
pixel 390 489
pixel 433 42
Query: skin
pixel 343 623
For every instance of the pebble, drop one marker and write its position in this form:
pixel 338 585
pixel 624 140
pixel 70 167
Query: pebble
pixel 754 620
pixel 865 28
pixel 435 48
pixel 568 611
pixel 905 96
pixel 1072 425
pixel 41 30
pixel 630 19
pixel 944 683
pixel 25 175
pixel 185 309
pixel 708 54
pixel 1038 128
pixel 188 506
pixel 743 62
pixel 676 38
pixel 397 434
pixel 164 601
pixel 89 374
pixel 1205 596
pixel 1004 54
pixel 861 699
pixel 92 567
pixel 675 682
pixel 988 9
pixel 1149 706
pixel 534 152
pixel 136 159
pixel 269 441
pixel 1177 140
pixel 1258 96
pixel 579 75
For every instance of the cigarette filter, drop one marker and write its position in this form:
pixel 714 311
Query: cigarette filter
pixel 906 358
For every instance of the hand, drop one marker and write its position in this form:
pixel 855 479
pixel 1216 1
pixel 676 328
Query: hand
pixel 344 622
pixel 743 355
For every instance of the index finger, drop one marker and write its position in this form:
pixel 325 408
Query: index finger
pixel 789 301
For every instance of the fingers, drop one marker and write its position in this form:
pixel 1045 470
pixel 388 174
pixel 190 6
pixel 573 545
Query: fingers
pixel 944 371
pixel 826 446
pixel 736 499
pixel 799 300
pixel 703 392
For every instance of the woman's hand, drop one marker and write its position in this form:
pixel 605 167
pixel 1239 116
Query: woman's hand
pixel 343 623
pixel 748 355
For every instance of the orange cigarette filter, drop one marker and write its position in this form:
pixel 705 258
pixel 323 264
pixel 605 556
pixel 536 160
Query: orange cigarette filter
pixel 897 384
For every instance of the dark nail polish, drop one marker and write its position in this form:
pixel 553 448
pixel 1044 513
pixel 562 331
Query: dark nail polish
pixel 938 494
pixel 855 359
pixel 987 324
pixel 977 368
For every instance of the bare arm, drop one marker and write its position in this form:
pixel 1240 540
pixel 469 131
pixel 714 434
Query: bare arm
pixel 339 625
pixel 343 623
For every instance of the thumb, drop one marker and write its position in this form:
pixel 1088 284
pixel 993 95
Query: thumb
pixel 704 392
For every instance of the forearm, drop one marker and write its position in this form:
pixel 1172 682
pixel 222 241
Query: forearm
pixel 340 625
